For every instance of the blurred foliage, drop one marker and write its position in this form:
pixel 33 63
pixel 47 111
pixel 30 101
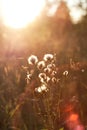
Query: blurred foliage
pixel 21 107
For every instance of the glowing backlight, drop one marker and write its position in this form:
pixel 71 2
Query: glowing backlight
pixel 19 13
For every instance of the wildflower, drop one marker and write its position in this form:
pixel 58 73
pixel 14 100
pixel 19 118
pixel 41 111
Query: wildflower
pixel 51 66
pixel 65 73
pixel 48 57
pixel 42 88
pixel 48 79
pixel 47 70
pixel 29 76
pixel 38 89
pixel 54 73
pixel 32 60
pixel 54 80
pixel 41 65
pixel 42 76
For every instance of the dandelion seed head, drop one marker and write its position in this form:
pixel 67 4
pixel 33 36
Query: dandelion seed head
pixel 65 73
pixel 54 80
pixel 51 66
pixel 48 57
pixel 38 89
pixel 29 76
pixel 32 60
pixel 48 79
pixel 54 73
pixel 43 87
pixel 42 76
pixel 41 65
pixel 47 70
pixel 42 80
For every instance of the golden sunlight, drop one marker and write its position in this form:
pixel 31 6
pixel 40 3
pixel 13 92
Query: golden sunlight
pixel 19 13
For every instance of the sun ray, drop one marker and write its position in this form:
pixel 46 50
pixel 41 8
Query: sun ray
pixel 19 13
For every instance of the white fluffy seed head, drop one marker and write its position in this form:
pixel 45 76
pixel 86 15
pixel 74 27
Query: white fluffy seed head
pixel 32 60
pixel 41 65
pixel 48 57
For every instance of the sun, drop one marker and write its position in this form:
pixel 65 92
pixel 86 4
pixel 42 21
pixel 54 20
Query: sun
pixel 19 13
